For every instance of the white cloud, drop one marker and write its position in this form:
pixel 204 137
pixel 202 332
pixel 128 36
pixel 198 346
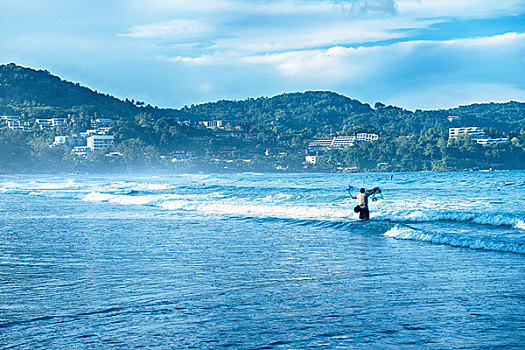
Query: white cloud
pixel 174 29
pixel 459 8
pixel 266 7
pixel 271 26
pixel 489 42
pixel 178 6
pixel 352 63
pixel 204 59
pixel 313 36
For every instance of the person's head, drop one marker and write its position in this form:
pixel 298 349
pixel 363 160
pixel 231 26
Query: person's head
pixel 362 190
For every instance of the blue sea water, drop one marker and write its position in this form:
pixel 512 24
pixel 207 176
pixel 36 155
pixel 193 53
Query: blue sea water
pixel 262 261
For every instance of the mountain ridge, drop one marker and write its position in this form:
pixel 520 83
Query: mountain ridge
pixel 48 90
pixel 264 133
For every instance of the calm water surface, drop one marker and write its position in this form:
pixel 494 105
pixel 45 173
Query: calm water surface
pixel 253 261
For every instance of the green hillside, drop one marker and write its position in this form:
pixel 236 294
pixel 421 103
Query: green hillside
pixel 269 132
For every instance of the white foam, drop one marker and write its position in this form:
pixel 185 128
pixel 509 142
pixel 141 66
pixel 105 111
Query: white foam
pixel 134 200
pixel 97 197
pixel 152 187
pixel 58 185
pixel 424 216
pixel 520 224
pixel 177 205
pixel 279 211
pixel 456 240
pixel 120 199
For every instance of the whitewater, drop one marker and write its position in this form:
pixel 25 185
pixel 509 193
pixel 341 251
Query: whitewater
pixel 262 260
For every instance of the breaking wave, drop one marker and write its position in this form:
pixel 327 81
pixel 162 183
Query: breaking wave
pixel 477 218
pixel 280 206
pixel 500 244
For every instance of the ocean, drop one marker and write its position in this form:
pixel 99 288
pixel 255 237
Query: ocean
pixel 262 261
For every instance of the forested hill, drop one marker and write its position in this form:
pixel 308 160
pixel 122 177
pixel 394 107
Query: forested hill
pixel 258 133
pixel 293 110
pixel 38 93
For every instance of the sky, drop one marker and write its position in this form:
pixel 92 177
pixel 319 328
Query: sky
pixel 416 54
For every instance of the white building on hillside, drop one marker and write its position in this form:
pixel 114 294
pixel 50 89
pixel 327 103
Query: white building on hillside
pixel 52 123
pixel 88 133
pixel 80 150
pixel 490 140
pixel 212 123
pixel 322 144
pixel 59 122
pixel 312 159
pixel 99 142
pixel 73 140
pixel 468 130
pixel 101 122
pixel 18 125
pixel 9 118
pixel 363 136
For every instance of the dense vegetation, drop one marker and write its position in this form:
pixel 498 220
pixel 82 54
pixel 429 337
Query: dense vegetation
pixel 258 134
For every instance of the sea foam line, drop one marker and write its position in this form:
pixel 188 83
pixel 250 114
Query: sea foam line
pixel 455 240
pixel 425 216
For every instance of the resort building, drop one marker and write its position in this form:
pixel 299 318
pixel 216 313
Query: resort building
pixel 325 143
pixel 99 142
pixel 101 122
pixel 478 135
pixel 52 123
pixel 489 141
pixel 322 144
pixel 19 126
pixel 212 123
pixel 73 140
pixel 9 118
pixel 312 159
pixel 363 136
pixel 80 150
pixel 103 130
pixel 469 130
pixel 88 133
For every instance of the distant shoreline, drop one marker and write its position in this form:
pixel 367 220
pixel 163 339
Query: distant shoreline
pixel 225 171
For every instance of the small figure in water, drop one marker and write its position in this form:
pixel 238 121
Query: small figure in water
pixel 362 208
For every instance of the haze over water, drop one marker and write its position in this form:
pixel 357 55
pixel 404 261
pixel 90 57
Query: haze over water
pixel 262 261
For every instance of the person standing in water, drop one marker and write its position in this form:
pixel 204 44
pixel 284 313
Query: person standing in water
pixel 364 214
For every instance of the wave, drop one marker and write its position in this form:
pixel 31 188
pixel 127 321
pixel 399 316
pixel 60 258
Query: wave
pixel 148 199
pixel 428 216
pixel 284 206
pixel 260 210
pixel 500 244
pixel 281 202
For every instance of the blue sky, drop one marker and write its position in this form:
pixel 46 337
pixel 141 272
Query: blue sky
pixel 411 53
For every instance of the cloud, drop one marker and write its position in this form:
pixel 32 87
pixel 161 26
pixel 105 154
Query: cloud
pixel 174 29
pixel 368 6
pixel 200 60
pixel 351 63
pixel 266 7
pixel 315 35
pixel 459 9
pixel 243 28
